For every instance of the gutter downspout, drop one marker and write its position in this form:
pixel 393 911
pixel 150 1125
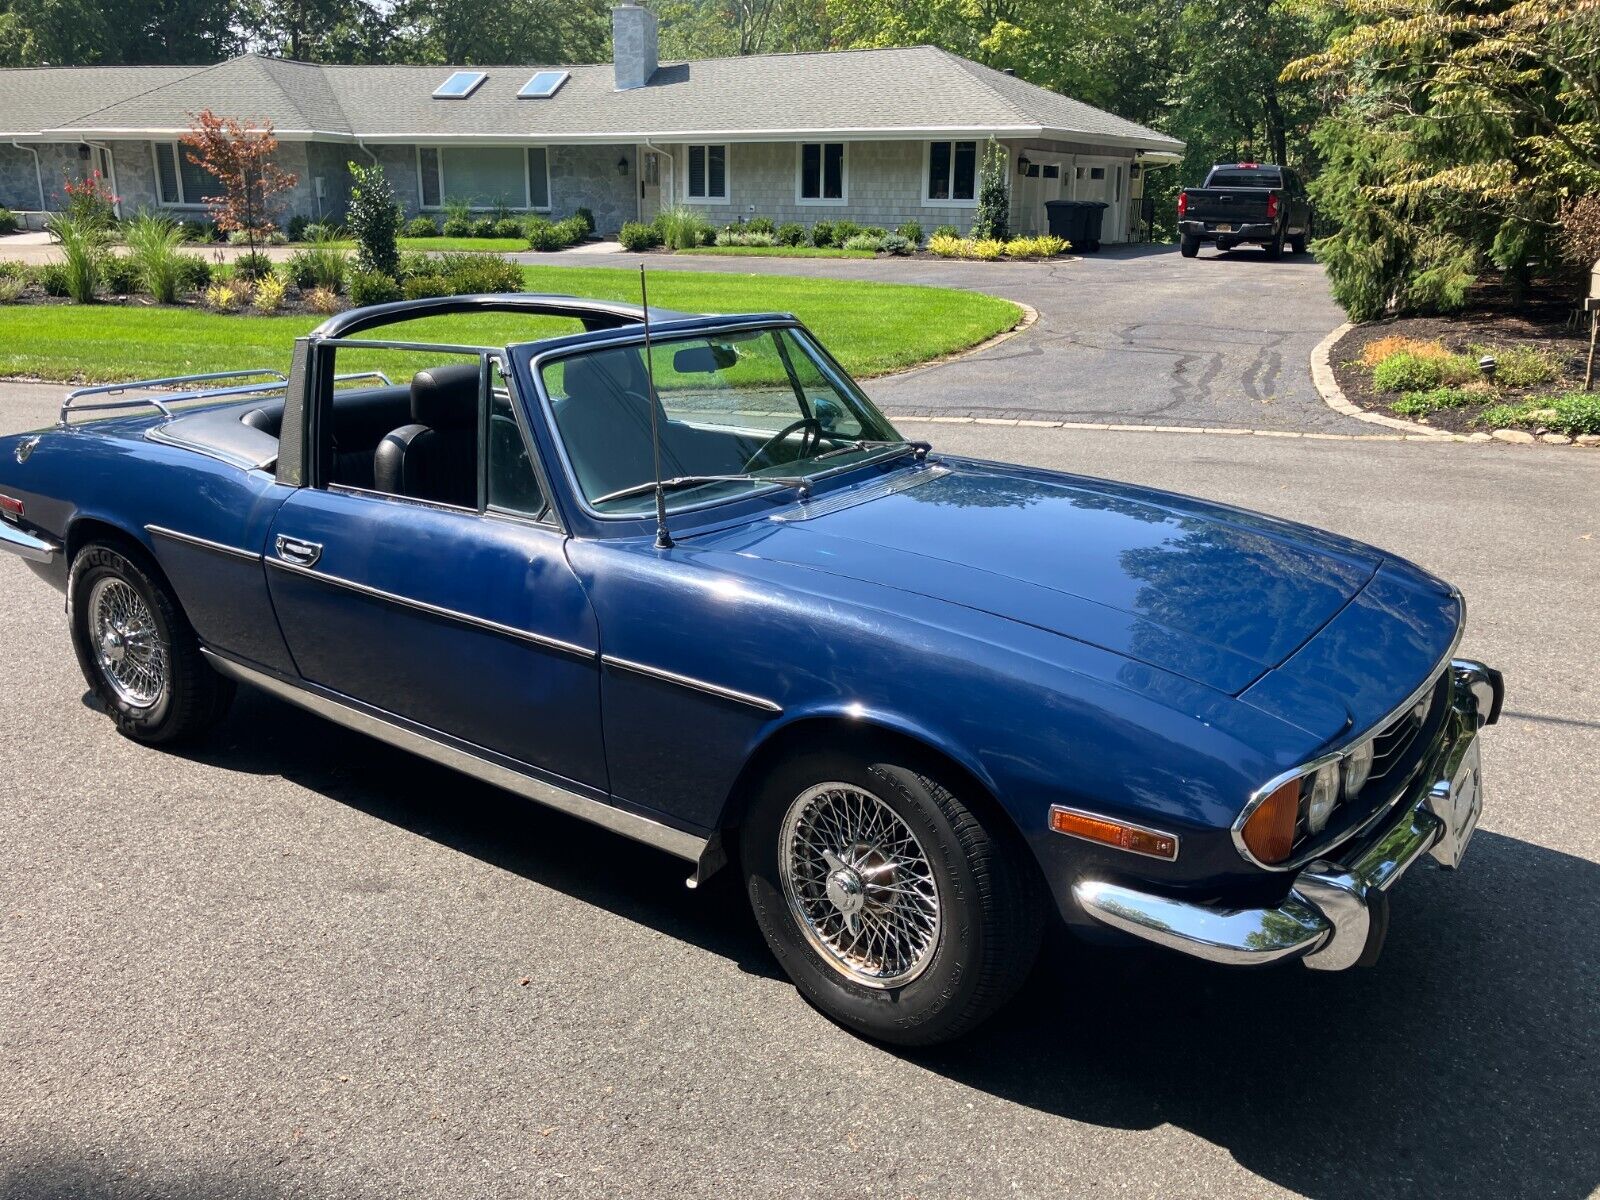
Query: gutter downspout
pixel 38 174
pixel 672 169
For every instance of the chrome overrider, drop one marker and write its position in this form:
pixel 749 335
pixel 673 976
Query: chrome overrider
pixel 1332 911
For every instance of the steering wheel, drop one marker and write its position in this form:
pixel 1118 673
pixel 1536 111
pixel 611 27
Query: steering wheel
pixel 808 443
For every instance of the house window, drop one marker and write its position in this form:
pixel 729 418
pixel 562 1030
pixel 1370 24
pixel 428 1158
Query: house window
pixel 952 173
pixel 821 173
pixel 179 182
pixel 486 177
pixel 708 173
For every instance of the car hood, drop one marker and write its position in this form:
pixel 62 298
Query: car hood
pixel 1214 594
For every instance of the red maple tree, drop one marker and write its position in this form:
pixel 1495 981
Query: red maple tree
pixel 240 157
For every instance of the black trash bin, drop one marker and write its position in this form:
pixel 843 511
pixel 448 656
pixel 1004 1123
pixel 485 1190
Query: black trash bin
pixel 1078 221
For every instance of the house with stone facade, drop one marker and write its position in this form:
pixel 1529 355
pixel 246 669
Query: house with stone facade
pixel 874 136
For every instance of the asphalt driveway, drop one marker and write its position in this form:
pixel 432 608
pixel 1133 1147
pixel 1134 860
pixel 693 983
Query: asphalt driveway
pixel 1132 335
pixel 293 962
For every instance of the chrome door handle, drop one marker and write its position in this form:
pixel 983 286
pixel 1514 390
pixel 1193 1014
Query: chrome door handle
pixel 303 554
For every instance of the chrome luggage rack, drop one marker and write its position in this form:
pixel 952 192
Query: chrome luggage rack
pixel 276 383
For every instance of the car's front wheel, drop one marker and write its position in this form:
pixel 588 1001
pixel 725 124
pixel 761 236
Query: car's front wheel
pixel 891 904
pixel 137 650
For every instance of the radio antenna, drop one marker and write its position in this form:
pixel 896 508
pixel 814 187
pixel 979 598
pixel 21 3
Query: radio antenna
pixel 663 536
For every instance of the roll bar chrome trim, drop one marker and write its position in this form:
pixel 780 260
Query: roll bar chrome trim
pixel 163 403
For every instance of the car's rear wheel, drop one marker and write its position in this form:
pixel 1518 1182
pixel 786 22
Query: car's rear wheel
pixel 138 652
pixel 894 908
pixel 1189 246
pixel 1275 247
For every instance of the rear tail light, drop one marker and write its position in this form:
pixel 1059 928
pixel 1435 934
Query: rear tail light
pixel 1183 203
pixel 10 506
pixel 1269 833
pixel 1272 207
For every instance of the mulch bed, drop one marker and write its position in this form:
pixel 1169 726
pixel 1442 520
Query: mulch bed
pixel 1543 321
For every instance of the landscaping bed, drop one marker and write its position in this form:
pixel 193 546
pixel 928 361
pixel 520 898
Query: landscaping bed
pixel 1427 370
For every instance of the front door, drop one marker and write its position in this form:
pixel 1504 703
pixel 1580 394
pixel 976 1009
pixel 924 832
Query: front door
pixel 463 620
pixel 649 184
pixel 1105 180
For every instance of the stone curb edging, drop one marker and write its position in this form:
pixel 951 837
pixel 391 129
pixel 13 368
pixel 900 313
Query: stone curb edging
pixel 1333 395
pixel 1029 318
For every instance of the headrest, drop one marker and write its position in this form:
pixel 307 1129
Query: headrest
pixel 445 397
pixel 617 374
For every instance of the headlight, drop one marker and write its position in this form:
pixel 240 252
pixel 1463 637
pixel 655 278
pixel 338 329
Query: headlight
pixel 1322 793
pixel 1357 769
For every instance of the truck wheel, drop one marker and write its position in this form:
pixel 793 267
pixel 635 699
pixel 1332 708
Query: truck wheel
pixel 1189 247
pixel 886 899
pixel 137 650
pixel 1223 245
pixel 1275 247
pixel 1297 244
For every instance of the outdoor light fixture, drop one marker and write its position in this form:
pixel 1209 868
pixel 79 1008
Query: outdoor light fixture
pixel 1023 163
pixel 1487 365
pixel 622 165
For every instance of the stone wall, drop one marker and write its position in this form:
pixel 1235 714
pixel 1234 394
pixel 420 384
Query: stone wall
pixel 587 177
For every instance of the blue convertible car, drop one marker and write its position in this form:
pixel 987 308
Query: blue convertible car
pixel 679 577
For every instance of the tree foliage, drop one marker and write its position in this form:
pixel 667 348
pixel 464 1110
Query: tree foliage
pixel 994 199
pixel 239 156
pixel 375 219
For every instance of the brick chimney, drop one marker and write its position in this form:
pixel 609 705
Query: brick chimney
pixel 634 53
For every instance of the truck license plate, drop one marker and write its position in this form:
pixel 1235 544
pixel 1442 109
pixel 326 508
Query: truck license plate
pixel 1223 228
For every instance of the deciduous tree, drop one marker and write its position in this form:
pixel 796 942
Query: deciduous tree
pixel 239 155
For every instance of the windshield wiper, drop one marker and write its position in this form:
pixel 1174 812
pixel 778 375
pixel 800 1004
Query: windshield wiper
pixel 921 448
pixel 678 482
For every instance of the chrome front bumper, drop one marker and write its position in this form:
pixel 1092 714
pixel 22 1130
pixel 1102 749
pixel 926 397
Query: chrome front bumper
pixel 27 545
pixel 1335 911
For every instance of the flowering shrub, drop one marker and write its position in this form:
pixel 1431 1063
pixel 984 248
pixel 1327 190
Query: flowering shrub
pixel 90 201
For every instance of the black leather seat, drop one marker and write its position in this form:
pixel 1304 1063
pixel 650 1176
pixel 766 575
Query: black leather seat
pixel 605 421
pixel 436 456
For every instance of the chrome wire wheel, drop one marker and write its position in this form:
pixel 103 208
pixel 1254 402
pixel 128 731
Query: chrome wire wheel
pixel 860 885
pixel 127 645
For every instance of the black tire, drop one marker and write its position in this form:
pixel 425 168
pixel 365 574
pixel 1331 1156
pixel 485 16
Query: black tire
pixel 1297 244
pixel 191 697
pixel 1189 247
pixel 1223 245
pixel 991 903
pixel 1275 248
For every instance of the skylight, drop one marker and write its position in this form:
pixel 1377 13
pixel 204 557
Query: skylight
pixel 460 85
pixel 543 85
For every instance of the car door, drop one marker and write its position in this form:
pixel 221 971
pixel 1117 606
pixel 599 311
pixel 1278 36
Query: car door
pixel 463 620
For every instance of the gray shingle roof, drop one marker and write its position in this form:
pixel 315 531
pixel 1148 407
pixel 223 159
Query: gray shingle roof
pixel 36 98
pixel 911 91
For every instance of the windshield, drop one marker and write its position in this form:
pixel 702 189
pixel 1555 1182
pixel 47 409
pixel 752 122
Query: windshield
pixel 736 411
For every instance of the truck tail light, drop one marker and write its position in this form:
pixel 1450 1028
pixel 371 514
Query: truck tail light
pixel 1272 207
pixel 1183 203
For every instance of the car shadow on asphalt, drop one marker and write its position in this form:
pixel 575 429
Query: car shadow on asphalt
pixel 1467 1060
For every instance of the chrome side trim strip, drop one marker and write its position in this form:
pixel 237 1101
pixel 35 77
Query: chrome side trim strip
pixel 189 539
pixel 434 610
pixel 688 681
pixel 433 746
pixel 26 545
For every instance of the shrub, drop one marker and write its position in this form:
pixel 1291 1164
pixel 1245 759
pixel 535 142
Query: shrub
pixel 269 294
pixel 241 237
pixel 11 268
pixel 422 227
pixel 946 245
pixel 372 287
pixel 323 301
pixel 203 232
pixel 571 230
pixel 153 243
pixel 585 215
pixel 948 231
pixel 1405 372
pixel 543 235
pixel 321 266
pixel 253 265
pixel 1523 366
pixel 194 273
pixel 790 233
pixel 745 237
pixel 1044 246
pixel 11 288
pixel 467 273
pixel 863 241
pixel 761 225
pixel 843 231
pixel 83 249
pixel 276 237
pixel 456 208
pixel 1500 416
pixel 1416 404
pixel 8 222
pixel 483 227
pixel 421 287
pixel 896 243
pixel 297 227
pixel 119 275
pixel 822 235
pixel 374 220
pixel 323 231
pixel 458 227
pixel 636 235
pixel 52 279
pixel 911 231
pixel 1576 412
pixel 994 201
pixel 985 249
pixel 683 229
pixel 508 227
pixel 229 295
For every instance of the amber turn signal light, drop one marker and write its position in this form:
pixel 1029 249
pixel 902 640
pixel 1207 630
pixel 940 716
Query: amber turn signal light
pixel 1133 838
pixel 1269 833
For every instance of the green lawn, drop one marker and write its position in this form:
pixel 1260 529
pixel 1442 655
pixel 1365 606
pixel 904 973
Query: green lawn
pixel 782 251
pixel 870 327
